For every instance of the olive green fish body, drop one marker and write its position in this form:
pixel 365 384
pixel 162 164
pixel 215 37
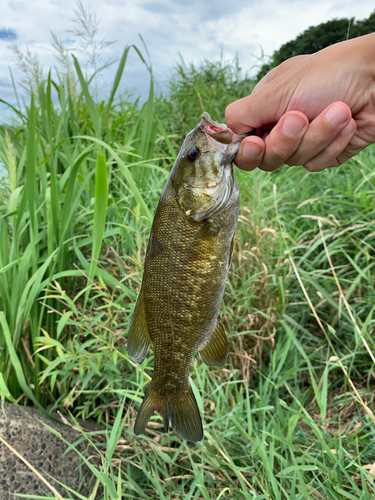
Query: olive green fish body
pixel 186 266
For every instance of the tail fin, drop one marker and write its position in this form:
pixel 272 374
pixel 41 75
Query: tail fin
pixel 182 412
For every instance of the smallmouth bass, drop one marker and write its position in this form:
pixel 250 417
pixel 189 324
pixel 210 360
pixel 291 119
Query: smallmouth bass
pixel 186 266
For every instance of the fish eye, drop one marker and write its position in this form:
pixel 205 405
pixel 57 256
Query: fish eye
pixel 193 154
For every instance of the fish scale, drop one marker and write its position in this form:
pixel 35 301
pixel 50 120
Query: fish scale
pixel 186 266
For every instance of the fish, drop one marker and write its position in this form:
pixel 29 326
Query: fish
pixel 185 271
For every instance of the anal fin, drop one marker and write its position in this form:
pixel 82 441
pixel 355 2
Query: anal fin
pixel 214 350
pixel 139 341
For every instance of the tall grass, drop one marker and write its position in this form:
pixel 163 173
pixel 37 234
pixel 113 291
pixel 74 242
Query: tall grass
pixel 53 221
pixel 290 414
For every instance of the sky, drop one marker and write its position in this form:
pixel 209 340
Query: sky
pixel 191 29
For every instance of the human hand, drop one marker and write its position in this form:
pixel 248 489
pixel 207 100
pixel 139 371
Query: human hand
pixel 317 110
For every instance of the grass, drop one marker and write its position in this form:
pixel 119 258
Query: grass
pixel 290 414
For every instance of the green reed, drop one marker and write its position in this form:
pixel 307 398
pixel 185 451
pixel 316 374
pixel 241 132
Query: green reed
pixel 53 222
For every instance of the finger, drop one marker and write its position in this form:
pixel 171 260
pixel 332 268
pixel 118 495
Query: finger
pixel 322 131
pixel 265 106
pixel 283 140
pixel 270 151
pixel 333 155
pixel 250 153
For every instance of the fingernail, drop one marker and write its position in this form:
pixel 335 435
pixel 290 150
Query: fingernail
pixel 293 125
pixel 349 128
pixel 251 150
pixel 336 115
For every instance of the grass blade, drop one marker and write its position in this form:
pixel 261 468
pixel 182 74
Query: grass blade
pixel 116 81
pixel 88 99
pixel 100 210
pixel 17 364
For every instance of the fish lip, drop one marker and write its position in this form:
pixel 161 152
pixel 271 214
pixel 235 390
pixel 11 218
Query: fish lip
pixel 206 118
pixel 207 187
pixel 229 149
pixel 211 128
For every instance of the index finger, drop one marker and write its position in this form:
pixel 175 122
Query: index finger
pixel 264 107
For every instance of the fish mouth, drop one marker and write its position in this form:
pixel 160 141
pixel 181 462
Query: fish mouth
pixel 220 137
pixel 210 125
pixel 218 131
pixel 210 185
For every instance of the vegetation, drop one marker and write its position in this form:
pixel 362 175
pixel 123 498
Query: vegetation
pixel 290 414
pixel 318 37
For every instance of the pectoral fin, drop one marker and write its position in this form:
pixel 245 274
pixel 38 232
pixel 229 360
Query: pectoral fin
pixel 139 341
pixel 214 351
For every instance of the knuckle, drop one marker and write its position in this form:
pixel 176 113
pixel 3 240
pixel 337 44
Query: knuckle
pixel 341 158
pixel 296 159
pixel 309 166
pixel 334 149
pixel 335 163
pixel 287 149
pixel 292 162
pixel 313 166
pixel 279 153
pixel 316 140
pixel 268 167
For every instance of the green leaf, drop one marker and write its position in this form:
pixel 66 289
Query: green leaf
pixel 88 99
pixel 4 391
pixel 100 211
pixel 17 364
pixel 62 322
pixel 116 431
pixel 128 176
pixel 116 81
pixel 293 468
